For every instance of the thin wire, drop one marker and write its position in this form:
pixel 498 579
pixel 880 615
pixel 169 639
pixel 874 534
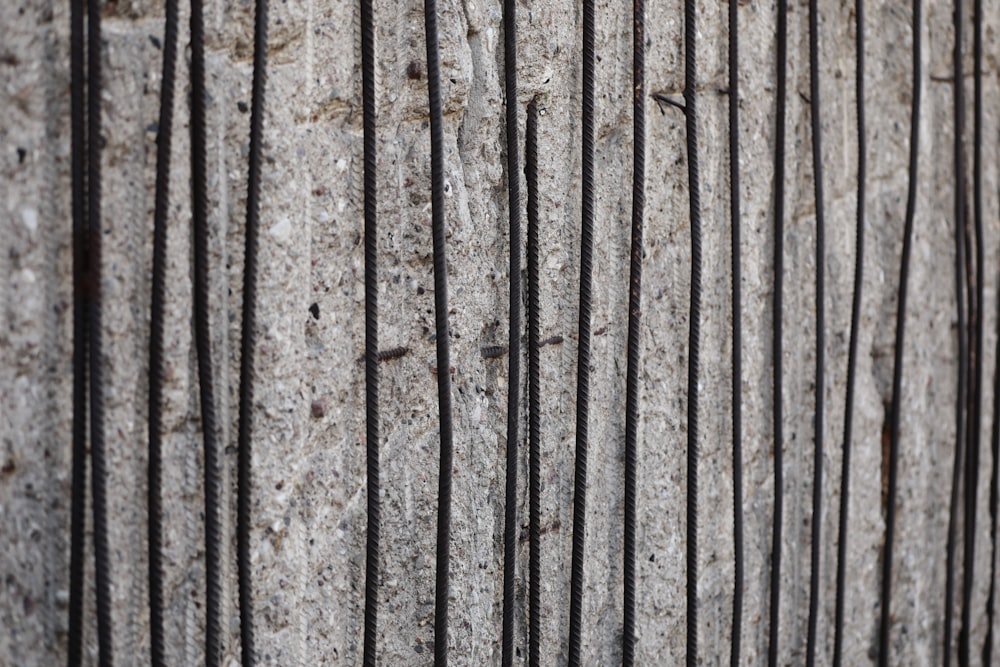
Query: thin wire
pixel 694 336
pixel 976 365
pixel 78 140
pixel 247 338
pixel 852 355
pixel 372 565
pixel 779 262
pixel 897 371
pixel 534 393
pixel 514 335
pixel 634 317
pixel 157 301
pixel 963 331
pixel 98 470
pixel 994 503
pixel 817 506
pixel 734 210
pixel 203 344
pixel 441 328
pixel 583 340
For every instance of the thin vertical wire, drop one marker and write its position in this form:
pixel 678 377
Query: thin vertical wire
pixel 779 262
pixel 514 335
pixel 976 366
pixel 98 470
pixel 897 371
pixel 80 343
pixel 734 211
pixel 852 355
pixel 372 565
pixel 963 331
pixel 694 335
pixel 441 329
pixel 817 505
pixel 994 503
pixel 634 320
pixel 247 338
pixel 534 393
pixel 80 229
pixel 583 341
pixel 157 302
pixel 203 343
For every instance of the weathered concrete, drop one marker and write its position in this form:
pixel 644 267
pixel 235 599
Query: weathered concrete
pixel 309 474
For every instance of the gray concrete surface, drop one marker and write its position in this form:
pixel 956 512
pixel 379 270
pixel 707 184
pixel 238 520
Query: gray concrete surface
pixel 309 475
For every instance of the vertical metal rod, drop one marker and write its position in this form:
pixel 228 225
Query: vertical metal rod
pixel 634 321
pixel 534 392
pixel 776 354
pixel 583 340
pixel 514 334
pixel 203 343
pixel 737 296
pixel 819 382
pixel 961 406
pixel 80 229
pixel 977 331
pixel 98 470
pixel 156 308
pixel 441 328
pixel 885 624
pixel 244 490
pixel 694 334
pixel 852 355
pixel 372 551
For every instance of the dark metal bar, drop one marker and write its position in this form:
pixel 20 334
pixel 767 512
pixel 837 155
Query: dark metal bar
pixel 98 470
pixel 779 261
pixel 734 211
pixel 79 156
pixel 583 340
pixel 852 355
pixel 441 328
pixel 977 331
pixel 820 384
pixel 514 335
pixel 634 320
pixel 244 489
pixel 694 334
pixel 372 354
pixel 961 416
pixel 534 393
pixel 157 303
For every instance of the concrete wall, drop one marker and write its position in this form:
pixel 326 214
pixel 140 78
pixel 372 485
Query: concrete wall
pixel 309 468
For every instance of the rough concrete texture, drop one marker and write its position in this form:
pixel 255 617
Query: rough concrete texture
pixel 309 466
